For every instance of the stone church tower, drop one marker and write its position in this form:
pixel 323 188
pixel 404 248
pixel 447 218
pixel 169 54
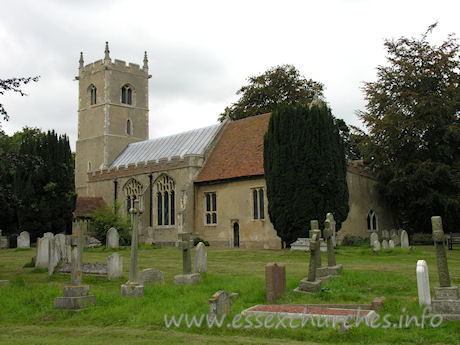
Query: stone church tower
pixel 113 111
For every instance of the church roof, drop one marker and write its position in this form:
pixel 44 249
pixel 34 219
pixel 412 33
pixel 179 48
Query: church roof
pixel 192 142
pixel 239 152
pixel 86 205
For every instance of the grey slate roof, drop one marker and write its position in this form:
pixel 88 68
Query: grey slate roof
pixel 190 142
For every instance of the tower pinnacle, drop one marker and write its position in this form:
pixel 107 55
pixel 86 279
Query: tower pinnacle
pixel 146 61
pixel 107 52
pixel 81 60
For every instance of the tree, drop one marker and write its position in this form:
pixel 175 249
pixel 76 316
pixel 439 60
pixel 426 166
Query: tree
pixel 413 119
pixel 280 84
pixel 305 169
pixel 13 84
pixel 105 218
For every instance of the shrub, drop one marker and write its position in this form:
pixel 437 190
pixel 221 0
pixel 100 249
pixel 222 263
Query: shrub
pixel 352 240
pixel 197 240
pixel 107 217
pixel 421 238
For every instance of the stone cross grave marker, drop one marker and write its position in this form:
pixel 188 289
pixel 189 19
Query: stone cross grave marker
pixel 333 268
pixel 275 281
pixel 311 284
pixel 423 283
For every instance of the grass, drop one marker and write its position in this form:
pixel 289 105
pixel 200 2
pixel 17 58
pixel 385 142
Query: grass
pixel 27 315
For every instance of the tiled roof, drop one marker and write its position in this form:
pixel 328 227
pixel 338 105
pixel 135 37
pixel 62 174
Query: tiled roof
pixel 239 152
pixel 178 145
pixel 87 205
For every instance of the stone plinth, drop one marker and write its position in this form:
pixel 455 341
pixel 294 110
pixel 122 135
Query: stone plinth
pixel 4 282
pixel 322 272
pixel 75 298
pixel 306 286
pixel 187 279
pixel 335 270
pixel 131 289
pixel 446 302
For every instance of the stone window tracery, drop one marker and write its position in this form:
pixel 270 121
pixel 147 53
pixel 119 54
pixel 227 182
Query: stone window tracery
pixel 133 190
pixel 166 201
pixel 127 94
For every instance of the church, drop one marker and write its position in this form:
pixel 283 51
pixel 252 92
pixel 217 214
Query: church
pixel 215 174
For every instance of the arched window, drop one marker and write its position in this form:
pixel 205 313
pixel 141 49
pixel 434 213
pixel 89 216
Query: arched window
pixel 258 203
pixel 92 94
pixel 90 167
pixel 128 127
pixel 166 200
pixel 126 94
pixel 372 221
pixel 132 189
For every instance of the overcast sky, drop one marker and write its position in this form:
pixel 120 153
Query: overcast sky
pixel 201 52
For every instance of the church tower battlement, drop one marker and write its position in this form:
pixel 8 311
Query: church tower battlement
pixel 113 111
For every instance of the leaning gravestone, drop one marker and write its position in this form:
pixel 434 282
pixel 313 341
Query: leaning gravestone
pixel 384 244
pixel 112 239
pixel 23 240
pixel 200 258
pixel 150 275
pixel 376 246
pixel 391 244
pixel 220 304
pixel 275 281
pixel 114 266
pixel 374 237
pixel 423 283
pixel 446 299
pixel 404 239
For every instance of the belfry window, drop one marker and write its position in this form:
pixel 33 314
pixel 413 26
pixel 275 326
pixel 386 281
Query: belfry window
pixel 372 221
pixel 128 127
pixel 132 189
pixel 166 201
pixel 126 95
pixel 92 94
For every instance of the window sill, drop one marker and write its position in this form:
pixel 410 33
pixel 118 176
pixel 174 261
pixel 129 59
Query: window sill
pixel 164 227
pixel 210 224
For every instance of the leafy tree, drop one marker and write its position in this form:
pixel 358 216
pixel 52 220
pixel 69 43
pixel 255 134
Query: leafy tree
pixel 413 118
pixel 13 84
pixel 106 217
pixel 305 169
pixel 280 84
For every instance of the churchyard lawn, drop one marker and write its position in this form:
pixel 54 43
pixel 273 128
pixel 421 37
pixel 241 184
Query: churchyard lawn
pixel 27 315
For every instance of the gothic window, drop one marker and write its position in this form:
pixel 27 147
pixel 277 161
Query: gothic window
pixel 132 189
pixel 372 221
pixel 128 127
pixel 166 198
pixel 258 203
pixel 211 208
pixel 92 94
pixel 127 94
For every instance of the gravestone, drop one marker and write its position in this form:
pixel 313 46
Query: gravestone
pixel 446 299
pixel 313 226
pixel 423 283
pixel 53 257
pixel 114 266
pixel 376 246
pixel 393 232
pixel 386 234
pixel 275 281
pixel 374 237
pixel 75 295
pixel 333 268
pixel 302 243
pixel 200 258
pixel 62 248
pixel 4 282
pixel 43 249
pixel 332 222
pixel 23 240
pixel 150 275
pixel 384 244
pixel 391 244
pixel 404 240
pixel 396 239
pixel 4 243
pixel 220 304
pixel 311 284
pixel 112 239
pixel 132 288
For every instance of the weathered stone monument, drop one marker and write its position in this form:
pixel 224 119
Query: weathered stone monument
pixel 76 295
pixel 201 256
pixel 4 243
pixel 404 239
pixel 311 284
pixel 376 246
pixel 220 304
pixel 23 240
pixel 333 268
pixel 114 266
pixel 112 238
pixel 275 281
pixel 423 283
pixel 396 239
pixel 391 244
pixel 302 244
pixel 384 244
pixel 43 249
pixel 132 287
pixel 332 222
pixel 374 237
pixel 150 275
pixel 446 299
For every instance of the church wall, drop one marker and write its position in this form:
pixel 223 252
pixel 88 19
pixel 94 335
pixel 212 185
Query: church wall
pixel 235 204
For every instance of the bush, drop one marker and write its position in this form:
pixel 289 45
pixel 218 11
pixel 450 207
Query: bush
pixel 197 240
pixel 421 238
pixel 107 217
pixel 352 240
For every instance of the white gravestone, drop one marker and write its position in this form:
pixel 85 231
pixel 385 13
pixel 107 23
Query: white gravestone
pixel 23 240
pixel 376 246
pixel 112 239
pixel 43 249
pixel 391 244
pixel 200 258
pixel 423 283
pixel 404 239
pixel 114 266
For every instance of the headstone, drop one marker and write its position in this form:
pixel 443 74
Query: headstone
pixel 150 275
pixel 112 239
pixel 114 266
pixel 384 244
pixel 404 239
pixel 332 222
pixel 386 234
pixel 53 257
pixel 275 281
pixel 374 237
pixel 23 240
pixel 376 246
pixel 220 304
pixel 4 243
pixel 396 239
pixel 132 287
pixel 311 284
pixel 391 244
pixel 200 258
pixel 446 299
pixel 333 268
pixel 393 232
pixel 302 244
pixel 423 283
pixel 43 248
pixel 313 226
